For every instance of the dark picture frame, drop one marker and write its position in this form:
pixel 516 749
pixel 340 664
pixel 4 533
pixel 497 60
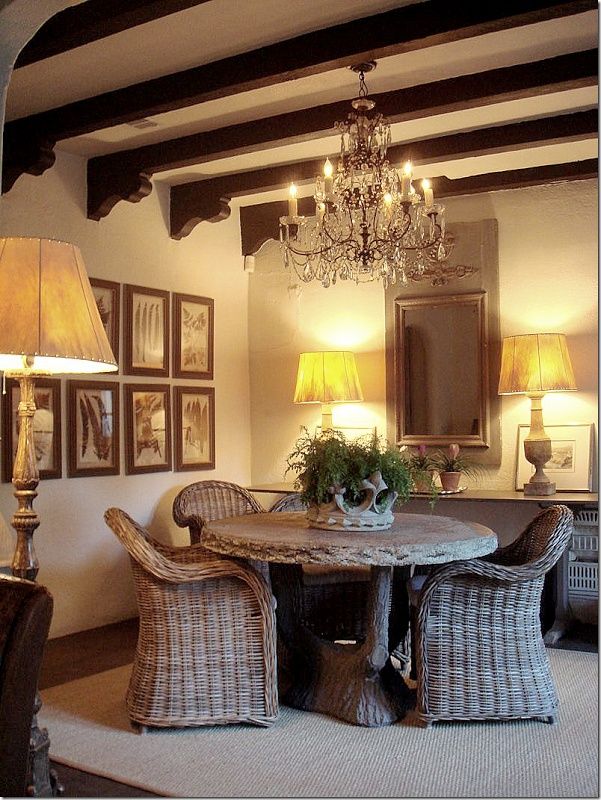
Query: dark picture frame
pixel 194 427
pixel 146 331
pixel 93 425
pixel 193 336
pixel 46 427
pixel 108 301
pixel 147 409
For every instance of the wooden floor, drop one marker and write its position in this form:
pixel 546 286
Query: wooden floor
pixel 80 654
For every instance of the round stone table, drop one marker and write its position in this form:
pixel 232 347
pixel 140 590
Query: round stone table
pixel 355 682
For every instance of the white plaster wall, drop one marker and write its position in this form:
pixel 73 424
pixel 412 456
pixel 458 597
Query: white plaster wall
pixel 548 282
pixel 81 561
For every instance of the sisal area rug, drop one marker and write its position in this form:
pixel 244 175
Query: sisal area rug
pixel 311 755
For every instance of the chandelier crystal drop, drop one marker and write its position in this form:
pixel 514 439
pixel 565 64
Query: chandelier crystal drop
pixel 370 223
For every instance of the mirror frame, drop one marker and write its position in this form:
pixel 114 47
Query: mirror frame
pixel 403 304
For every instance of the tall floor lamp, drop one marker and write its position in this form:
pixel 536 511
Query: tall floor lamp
pixel 49 324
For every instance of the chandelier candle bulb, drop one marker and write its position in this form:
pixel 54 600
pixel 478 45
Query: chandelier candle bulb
pixel 328 172
pixel 428 193
pixel 406 179
pixel 292 201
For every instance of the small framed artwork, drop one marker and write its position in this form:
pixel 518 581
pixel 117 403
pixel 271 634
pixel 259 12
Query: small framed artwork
pixel 193 332
pixel 194 427
pixel 147 428
pixel 146 331
pixel 46 427
pixel 571 464
pixel 93 424
pixel 108 301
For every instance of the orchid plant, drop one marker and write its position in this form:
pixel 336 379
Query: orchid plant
pixel 452 460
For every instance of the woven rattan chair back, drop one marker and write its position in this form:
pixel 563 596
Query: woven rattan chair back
pixel 206 644
pixel 204 501
pixel 480 652
pixel 289 502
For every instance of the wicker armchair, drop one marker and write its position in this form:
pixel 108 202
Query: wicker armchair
pixel 333 599
pixel 206 646
pixel 480 652
pixel 204 501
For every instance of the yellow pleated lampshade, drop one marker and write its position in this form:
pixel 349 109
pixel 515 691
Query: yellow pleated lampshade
pixel 536 362
pixel 327 377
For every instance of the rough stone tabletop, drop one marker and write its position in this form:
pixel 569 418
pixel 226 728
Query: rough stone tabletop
pixel 286 538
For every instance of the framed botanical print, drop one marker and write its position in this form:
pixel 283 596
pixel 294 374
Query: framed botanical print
pixel 93 425
pixel 571 464
pixel 147 427
pixel 46 427
pixel 193 333
pixel 194 427
pixel 108 302
pixel 146 331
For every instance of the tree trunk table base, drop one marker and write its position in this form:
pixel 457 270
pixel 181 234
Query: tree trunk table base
pixel 353 682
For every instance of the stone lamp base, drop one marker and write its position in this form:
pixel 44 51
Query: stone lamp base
pixel 538 452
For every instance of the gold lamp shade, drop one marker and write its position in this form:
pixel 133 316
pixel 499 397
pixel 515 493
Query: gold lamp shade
pixel 533 364
pixel 49 322
pixel 536 362
pixel 327 377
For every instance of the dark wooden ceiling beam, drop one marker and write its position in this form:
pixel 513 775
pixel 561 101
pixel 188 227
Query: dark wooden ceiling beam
pixel 93 20
pixel 260 223
pixel 108 175
pixel 194 202
pixel 400 30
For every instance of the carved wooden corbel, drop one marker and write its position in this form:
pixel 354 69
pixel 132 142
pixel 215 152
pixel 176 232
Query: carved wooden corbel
pixel 106 188
pixel 189 208
pixel 25 153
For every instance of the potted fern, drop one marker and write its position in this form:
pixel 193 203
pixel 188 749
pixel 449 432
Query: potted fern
pixel 451 465
pixel 349 485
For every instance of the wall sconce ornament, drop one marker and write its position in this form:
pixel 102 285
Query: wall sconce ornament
pixel 370 223
pixel 534 364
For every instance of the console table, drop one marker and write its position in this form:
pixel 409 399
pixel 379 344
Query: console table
pixel 576 501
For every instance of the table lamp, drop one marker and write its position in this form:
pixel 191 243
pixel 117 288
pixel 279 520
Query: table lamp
pixel 533 364
pixel 327 377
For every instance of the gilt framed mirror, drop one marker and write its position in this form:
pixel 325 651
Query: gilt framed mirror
pixel 441 370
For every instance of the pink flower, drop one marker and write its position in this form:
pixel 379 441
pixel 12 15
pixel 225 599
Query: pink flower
pixel 422 449
pixel 453 450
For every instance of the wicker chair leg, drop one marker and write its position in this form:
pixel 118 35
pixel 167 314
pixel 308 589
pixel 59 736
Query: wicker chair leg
pixel 138 728
pixel 552 719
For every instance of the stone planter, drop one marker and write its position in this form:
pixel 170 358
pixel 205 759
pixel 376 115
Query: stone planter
pixel 338 515
pixel 450 481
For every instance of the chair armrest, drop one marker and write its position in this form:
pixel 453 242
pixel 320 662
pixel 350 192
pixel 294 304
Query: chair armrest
pixel 205 567
pixel 478 567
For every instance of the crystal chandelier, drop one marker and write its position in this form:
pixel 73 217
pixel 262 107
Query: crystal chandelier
pixel 370 223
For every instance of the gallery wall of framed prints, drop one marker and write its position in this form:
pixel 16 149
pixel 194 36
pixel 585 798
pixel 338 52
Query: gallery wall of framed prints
pixel 155 335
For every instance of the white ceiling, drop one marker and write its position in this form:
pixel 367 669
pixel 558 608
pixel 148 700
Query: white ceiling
pixel 218 29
